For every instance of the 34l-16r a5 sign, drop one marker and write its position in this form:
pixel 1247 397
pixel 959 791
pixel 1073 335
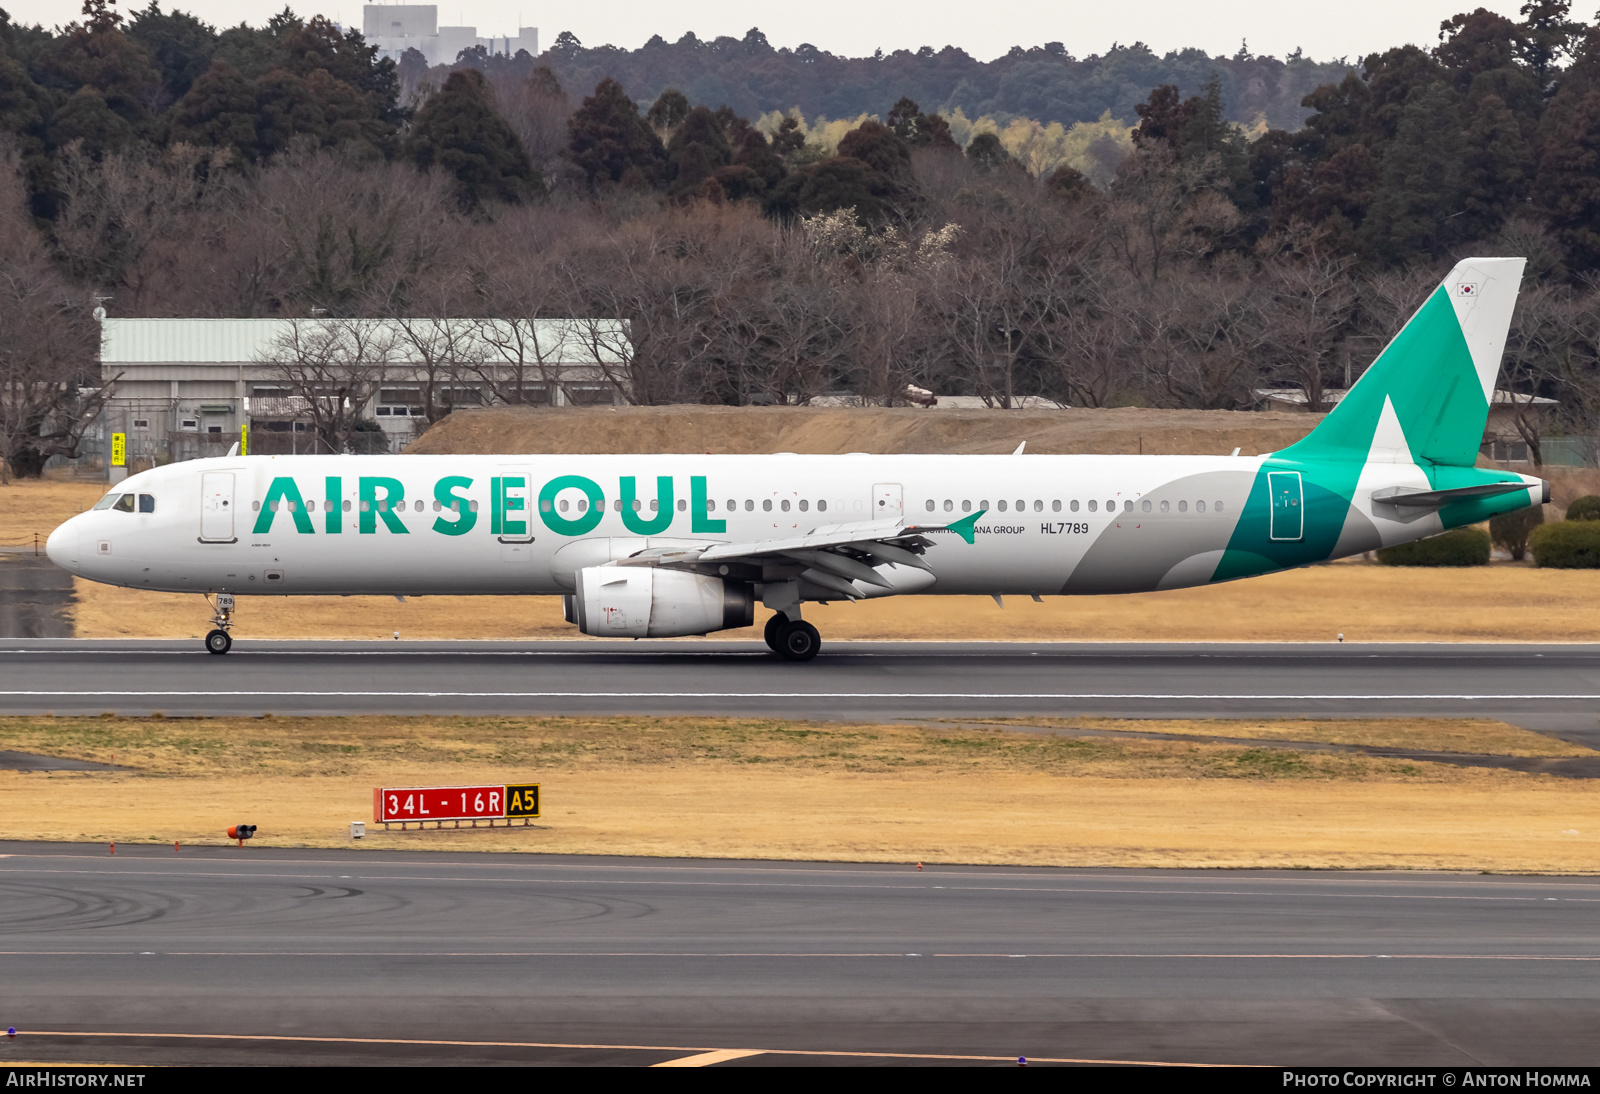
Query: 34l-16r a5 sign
pixel 401 804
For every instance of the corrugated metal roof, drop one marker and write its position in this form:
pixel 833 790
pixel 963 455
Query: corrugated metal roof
pixel 246 341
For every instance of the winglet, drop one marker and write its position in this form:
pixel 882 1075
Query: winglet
pixel 1020 447
pixel 963 527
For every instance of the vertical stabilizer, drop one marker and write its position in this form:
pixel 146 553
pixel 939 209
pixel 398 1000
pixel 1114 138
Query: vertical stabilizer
pixel 1428 392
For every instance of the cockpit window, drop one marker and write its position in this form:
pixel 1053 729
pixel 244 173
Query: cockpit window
pixel 124 504
pixel 147 503
pixel 106 502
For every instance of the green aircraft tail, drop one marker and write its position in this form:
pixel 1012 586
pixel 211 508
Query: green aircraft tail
pixel 1427 395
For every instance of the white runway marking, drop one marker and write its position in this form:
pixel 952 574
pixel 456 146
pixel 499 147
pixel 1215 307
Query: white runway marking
pixel 281 694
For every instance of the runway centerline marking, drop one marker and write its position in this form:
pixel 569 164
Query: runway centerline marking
pixel 996 695
pixel 896 955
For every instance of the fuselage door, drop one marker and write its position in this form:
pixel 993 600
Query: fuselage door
pixel 512 509
pixel 888 501
pixel 216 507
pixel 1288 508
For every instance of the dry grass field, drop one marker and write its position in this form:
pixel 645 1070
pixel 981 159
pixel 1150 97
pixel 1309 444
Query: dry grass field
pixel 772 789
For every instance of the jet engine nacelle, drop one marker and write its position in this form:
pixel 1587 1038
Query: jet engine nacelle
pixel 647 602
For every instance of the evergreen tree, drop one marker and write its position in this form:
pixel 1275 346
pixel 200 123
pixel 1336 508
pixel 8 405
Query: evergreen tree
pixel 459 131
pixel 877 146
pixel 1567 186
pixel 219 111
pixel 611 143
pixel 668 111
pixel 1415 211
pixel 986 153
pixel 696 152
pixel 180 45
pixel 1495 174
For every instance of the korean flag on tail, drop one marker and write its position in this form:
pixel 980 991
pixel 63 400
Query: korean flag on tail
pixel 1467 288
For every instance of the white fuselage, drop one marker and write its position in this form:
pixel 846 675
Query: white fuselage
pixel 417 525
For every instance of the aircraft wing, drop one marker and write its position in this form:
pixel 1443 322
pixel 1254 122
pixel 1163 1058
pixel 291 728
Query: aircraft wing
pixel 831 556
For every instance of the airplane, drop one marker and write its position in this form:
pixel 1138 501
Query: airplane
pixel 680 544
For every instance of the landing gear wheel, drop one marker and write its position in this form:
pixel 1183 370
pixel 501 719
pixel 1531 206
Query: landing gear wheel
pixel 218 641
pixel 798 641
pixel 771 633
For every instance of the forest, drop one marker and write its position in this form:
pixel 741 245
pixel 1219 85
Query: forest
pixel 1211 241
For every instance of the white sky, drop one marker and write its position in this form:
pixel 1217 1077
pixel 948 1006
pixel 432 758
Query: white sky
pixel 986 29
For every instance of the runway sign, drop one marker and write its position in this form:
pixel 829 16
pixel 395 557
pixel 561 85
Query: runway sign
pixel 403 804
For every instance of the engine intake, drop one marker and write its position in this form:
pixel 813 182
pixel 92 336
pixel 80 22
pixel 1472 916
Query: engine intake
pixel 647 602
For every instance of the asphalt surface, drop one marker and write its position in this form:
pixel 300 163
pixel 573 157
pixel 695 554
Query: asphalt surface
pixel 257 955
pixel 1544 686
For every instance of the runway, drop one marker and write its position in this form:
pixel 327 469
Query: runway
pixel 264 955
pixel 1550 686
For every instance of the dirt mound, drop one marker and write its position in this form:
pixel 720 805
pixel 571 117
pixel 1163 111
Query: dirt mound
pixel 825 430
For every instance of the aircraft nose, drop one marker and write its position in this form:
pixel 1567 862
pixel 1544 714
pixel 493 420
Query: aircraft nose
pixel 62 546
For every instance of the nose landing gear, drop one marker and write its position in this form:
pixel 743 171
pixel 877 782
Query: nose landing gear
pixel 218 640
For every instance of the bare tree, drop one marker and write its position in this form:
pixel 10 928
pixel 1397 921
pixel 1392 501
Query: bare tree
pixel 333 367
pixel 51 389
pixel 1309 310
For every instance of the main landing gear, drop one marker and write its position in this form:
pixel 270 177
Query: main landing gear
pixel 218 640
pixel 793 641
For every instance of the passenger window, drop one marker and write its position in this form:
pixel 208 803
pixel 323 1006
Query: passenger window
pixel 255 506
pixel 1127 506
pixel 1074 505
pixel 346 505
pixel 749 506
pixel 766 505
pixel 455 506
pixel 1093 505
pixel 637 505
pixel 1183 507
pixel 111 499
pixel 804 505
pixel 1199 507
pixel 1217 507
pixel 472 506
pixel 711 505
pixel 366 506
pixel 683 504
pixel 1022 506
pixel 1038 506
pixel 822 506
pixel 655 505
pixel 930 505
pixel 147 503
pixel 544 505
pixel 1145 505
pixel 1166 505
pixel 966 507
pixel 1055 506
pixel 383 506
pixel 948 505
pixel 124 504
pixel 784 505
pixel 1111 506
pixel 562 505
pixel 1002 505
pixel 417 508
pixel 272 505
pixel 616 505
pixel 732 505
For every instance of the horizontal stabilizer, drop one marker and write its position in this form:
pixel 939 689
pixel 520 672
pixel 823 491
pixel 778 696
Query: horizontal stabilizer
pixel 1438 499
